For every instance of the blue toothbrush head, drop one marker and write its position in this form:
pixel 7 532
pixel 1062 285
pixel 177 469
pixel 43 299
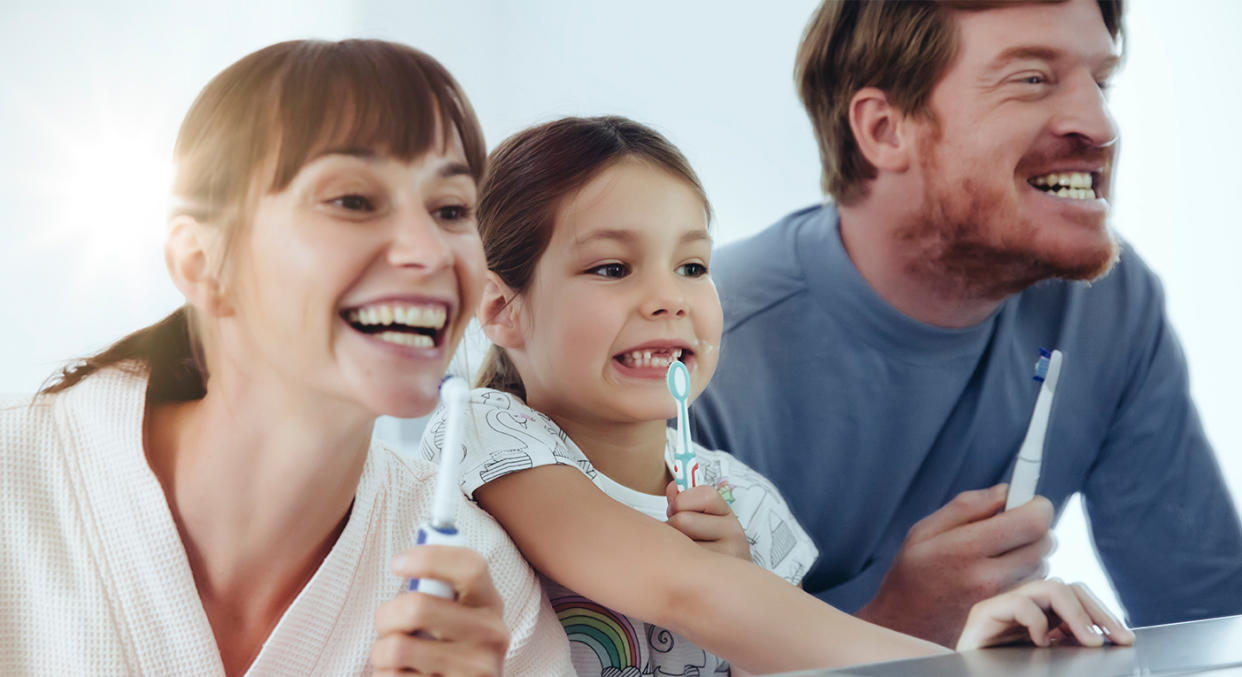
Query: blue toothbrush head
pixel 678 380
pixel 1041 365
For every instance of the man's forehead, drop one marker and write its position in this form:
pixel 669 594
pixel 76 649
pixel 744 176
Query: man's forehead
pixel 1035 30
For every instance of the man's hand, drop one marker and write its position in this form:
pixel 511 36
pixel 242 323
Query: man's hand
pixel 702 514
pixel 959 555
pixel 422 634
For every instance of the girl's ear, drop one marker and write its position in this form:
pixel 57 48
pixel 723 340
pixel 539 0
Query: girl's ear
pixel 500 313
pixel 191 253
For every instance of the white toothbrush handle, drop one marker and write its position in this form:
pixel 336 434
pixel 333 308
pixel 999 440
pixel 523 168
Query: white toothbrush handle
pixel 431 535
pixel 1031 454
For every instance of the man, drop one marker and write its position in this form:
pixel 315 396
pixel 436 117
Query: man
pixel 878 356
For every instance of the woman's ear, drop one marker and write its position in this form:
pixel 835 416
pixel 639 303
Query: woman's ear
pixel 880 130
pixel 192 252
pixel 500 313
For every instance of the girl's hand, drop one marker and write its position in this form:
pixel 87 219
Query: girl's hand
pixel 430 635
pixel 702 514
pixel 1045 612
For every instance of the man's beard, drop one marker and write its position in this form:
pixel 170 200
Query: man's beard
pixel 969 240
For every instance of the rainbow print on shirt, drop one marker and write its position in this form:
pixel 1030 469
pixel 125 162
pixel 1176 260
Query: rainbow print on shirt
pixel 608 634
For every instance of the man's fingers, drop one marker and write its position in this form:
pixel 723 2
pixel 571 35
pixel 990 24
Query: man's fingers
pixel 1007 531
pixel 965 508
pixel 1027 563
pixel 461 568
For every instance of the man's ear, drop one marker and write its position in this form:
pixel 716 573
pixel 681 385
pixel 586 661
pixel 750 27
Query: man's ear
pixel 192 254
pixel 500 313
pixel 880 130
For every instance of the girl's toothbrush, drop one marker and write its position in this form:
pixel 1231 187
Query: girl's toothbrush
pixel 442 529
pixel 1031 454
pixel 684 462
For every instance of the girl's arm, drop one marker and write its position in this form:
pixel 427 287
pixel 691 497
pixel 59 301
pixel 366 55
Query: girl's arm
pixel 575 534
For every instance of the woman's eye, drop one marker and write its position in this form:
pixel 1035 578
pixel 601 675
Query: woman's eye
pixel 692 269
pixel 1034 80
pixel 614 270
pixel 353 203
pixel 453 213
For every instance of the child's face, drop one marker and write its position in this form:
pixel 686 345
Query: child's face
pixel 621 290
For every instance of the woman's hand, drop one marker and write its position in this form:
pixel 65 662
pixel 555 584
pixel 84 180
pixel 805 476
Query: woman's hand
pixel 465 637
pixel 702 514
pixel 1046 612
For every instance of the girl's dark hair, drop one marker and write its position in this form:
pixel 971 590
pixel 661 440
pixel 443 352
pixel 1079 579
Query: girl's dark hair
pixel 251 130
pixel 528 177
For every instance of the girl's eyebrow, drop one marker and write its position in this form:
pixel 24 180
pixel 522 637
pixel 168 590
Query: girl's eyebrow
pixel 627 236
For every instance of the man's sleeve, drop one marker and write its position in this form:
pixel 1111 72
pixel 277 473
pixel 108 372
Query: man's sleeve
pixel 1162 519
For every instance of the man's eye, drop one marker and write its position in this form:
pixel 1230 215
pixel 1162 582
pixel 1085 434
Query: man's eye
pixel 1034 80
pixel 353 203
pixel 615 270
pixel 692 270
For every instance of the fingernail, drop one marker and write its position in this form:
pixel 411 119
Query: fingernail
pixel 999 490
pixel 400 562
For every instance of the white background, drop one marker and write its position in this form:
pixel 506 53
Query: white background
pixel 91 95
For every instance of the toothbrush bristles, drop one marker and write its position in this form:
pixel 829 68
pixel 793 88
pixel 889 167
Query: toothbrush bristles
pixel 1041 365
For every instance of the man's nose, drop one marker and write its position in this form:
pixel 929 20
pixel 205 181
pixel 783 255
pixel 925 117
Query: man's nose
pixel 1083 112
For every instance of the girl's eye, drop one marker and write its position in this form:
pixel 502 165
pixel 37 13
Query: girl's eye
pixel 613 270
pixel 353 203
pixel 692 269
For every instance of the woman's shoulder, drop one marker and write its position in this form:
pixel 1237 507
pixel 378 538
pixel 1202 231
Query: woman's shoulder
pixel 27 424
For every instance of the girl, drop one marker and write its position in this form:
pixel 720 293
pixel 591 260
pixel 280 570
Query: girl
pixel 598 248
pixel 203 497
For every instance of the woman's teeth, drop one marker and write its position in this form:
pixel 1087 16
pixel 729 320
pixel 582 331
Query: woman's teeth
pixel 645 358
pixel 405 339
pixel 428 317
pixel 1072 185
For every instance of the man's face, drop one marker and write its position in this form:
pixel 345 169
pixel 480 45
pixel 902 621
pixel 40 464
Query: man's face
pixel 1016 165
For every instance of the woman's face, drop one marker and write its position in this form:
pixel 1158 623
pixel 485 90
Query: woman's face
pixel 355 283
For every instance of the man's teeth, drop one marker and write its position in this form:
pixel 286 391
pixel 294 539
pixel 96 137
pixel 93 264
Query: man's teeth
pixel 402 338
pixel 428 317
pixel 1073 185
pixel 644 358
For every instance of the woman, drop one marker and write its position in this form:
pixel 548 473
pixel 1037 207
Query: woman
pixel 204 496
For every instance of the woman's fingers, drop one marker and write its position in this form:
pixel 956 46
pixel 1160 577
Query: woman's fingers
pixel 461 568
pixel 415 612
pixel 400 654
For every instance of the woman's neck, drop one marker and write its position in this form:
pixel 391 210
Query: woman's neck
pixel 260 489
pixel 631 454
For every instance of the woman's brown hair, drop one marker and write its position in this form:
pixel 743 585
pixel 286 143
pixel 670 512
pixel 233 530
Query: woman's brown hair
pixel 902 48
pixel 251 130
pixel 529 176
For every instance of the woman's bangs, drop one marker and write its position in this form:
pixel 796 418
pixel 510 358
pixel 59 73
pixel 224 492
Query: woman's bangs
pixel 375 97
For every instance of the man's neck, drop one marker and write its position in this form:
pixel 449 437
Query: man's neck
pixel 900 273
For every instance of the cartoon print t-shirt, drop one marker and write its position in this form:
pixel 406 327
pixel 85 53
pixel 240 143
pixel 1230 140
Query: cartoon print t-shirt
pixel 503 435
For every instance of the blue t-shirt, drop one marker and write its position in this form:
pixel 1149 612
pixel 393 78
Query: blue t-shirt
pixel 868 420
